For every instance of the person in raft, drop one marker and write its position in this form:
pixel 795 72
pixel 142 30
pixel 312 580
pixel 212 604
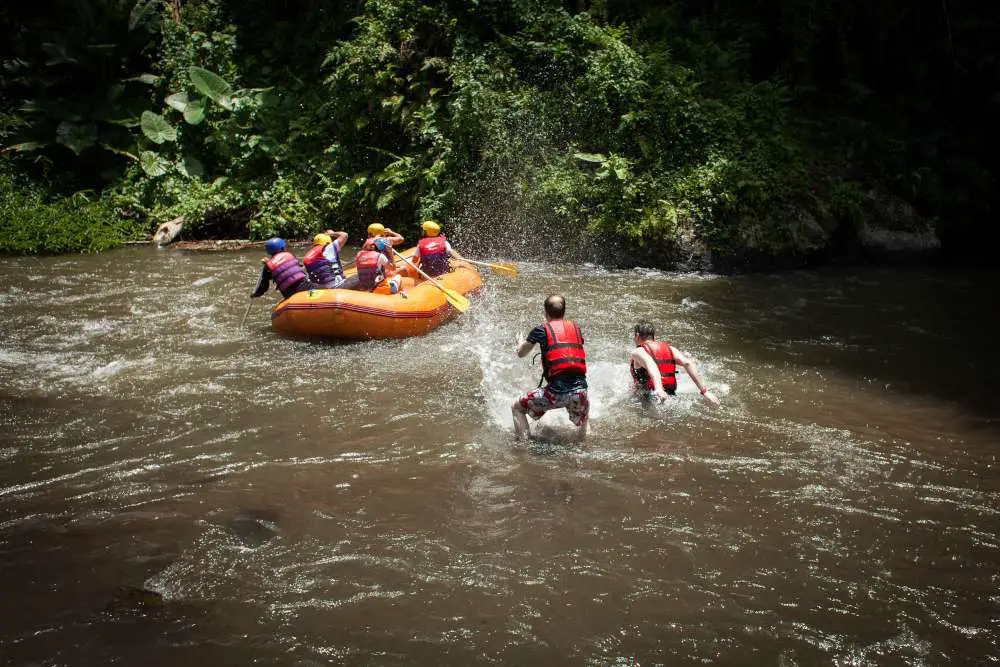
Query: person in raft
pixel 281 267
pixel 653 365
pixel 433 250
pixel 376 272
pixel 564 367
pixel 378 230
pixel 323 263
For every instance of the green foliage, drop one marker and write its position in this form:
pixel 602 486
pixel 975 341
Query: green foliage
pixel 719 122
pixel 79 71
pixel 29 224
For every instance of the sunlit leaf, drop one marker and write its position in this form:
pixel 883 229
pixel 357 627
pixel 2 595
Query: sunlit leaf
pixel 177 101
pixel 153 164
pixel 195 112
pixel 212 86
pixel 387 198
pixel 148 79
pixel 26 146
pixel 590 157
pixel 156 128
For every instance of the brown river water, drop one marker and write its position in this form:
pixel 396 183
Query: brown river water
pixel 296 502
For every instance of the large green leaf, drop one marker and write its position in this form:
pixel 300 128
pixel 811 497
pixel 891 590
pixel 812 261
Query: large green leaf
pixel 195 112
pixel 157 128
pixel 148 79
pixel 191 167
pixel 212 86
pixel 26 146
pixel 76 137
pixel 142 10
pixel 177 101
pixel 153 164
pixel 387 198
pixel 590 157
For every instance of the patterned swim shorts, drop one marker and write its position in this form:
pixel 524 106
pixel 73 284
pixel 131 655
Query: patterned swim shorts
pixel 536 403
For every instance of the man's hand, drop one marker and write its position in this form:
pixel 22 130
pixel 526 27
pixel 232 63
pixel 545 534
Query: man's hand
pixel 660 394
pixel 711 397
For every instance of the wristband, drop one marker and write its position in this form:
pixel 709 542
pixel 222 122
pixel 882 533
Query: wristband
pixel 704 391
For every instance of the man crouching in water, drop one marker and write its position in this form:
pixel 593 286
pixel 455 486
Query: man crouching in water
pixel 564 367
pixel 653 365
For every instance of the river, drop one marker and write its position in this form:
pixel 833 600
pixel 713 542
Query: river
pixel 295 502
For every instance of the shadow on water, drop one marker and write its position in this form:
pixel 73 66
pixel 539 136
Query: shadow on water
pixel 912 332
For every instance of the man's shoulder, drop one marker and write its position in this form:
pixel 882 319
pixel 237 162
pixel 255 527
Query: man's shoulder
pixel 537 335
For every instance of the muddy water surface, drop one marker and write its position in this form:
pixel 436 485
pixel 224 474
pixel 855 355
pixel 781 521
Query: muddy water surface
pixel 302 503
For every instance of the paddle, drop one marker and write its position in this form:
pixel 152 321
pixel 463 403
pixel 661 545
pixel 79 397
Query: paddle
pixel 503 268
pixel 244 320
pixel 457 301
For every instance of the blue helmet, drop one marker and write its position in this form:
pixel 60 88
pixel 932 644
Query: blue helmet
pixel 380 244
pixel 274 246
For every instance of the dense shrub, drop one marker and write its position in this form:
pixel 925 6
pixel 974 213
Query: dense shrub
pixel 30 224
pixel 733 124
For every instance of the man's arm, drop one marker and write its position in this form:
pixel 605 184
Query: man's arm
pixel 692 370
pixel 525 348
pixel 263 281
pixel 640 356
pixel 340 238
pixel 451 251
pixel 392 237
pixel 534 337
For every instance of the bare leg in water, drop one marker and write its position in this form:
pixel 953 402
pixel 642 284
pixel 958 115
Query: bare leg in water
pixel 521 429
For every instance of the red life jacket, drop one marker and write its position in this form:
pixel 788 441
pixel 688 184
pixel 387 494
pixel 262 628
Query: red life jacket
pixel 664 357
pixel 369 273
pixel 564 353
pixel 433 255
pixel 286 272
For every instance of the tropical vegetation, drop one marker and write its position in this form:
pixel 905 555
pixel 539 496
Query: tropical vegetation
pixel 760 128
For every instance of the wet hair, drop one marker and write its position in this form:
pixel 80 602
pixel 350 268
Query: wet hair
pixel 555 306
pixel 645 330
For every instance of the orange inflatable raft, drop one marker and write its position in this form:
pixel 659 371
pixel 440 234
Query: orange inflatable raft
pixel 347 313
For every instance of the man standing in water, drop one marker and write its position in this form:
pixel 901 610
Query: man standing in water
pixel 653 365
pixel 564 367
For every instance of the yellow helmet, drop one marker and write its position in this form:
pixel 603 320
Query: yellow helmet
pixel 430 227
pixel 322 239
pixel 376 229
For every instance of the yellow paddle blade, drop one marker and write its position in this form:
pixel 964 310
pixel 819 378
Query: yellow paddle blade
pixel 504 269
pixel 457 301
